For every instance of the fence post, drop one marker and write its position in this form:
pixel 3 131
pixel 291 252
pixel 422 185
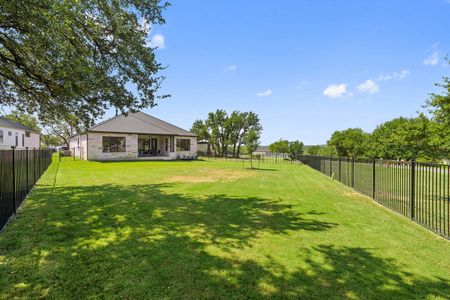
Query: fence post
pixel 413 187
pixel 339 168
pixel 14 177
pixel 373 178
pixel 34 166
pixel 331 167
pixel 74 154
pixel 353 172
pixel 40 165
pixel 26 159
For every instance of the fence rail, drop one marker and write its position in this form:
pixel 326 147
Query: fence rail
pixel 20 169
pixel 420 191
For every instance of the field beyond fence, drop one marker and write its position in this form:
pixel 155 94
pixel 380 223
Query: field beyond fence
pixel 20 169
pixel 420 191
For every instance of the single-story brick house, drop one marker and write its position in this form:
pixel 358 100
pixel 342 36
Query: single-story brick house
pixel 137 136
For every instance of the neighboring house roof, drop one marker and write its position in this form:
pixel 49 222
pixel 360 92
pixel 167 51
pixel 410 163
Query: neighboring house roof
pixel 11 124
pixel 262 149
pixel 140 123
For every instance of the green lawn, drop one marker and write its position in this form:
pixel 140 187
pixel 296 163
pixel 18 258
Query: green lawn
pixel 211 229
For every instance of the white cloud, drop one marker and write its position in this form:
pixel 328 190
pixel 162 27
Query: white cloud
pixel 369 86
pixel 396 75
pixel 335 90
pixel 402 74
pixel 266 93
pixel 231 68
pixel 432 60
pixel 157 41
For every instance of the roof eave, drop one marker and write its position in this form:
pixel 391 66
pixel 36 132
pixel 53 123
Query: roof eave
pixel 148 133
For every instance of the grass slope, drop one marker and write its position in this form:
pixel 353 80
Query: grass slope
pixel 211 229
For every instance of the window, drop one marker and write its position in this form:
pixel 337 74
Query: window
pixel 9 133
pixel 1 136
pixel 183 144
pixel 23 139
pixel 167 144
pixel 27 134
pixel 17 139
pixel 113 144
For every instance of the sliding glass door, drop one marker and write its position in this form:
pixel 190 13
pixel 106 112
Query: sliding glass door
pixel 148 146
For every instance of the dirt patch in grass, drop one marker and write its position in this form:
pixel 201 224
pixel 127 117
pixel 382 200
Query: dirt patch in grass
pixel 352 194
pixel 210 175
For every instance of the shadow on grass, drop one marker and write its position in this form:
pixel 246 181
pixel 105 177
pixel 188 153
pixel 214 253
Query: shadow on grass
pixel 143 242
pixel 259 169
pixel 112 161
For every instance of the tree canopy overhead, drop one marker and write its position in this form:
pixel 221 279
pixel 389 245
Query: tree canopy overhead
pixel 82 56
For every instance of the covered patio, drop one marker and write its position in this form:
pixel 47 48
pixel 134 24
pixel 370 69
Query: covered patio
pixel 155 146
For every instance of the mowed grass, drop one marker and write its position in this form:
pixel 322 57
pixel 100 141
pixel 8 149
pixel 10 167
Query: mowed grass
pixel 212 229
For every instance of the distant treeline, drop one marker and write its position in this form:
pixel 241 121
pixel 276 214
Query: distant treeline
pixel 400 138
pixel 423 137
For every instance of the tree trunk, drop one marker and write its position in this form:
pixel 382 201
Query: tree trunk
pixel 66 141
pixel 239 150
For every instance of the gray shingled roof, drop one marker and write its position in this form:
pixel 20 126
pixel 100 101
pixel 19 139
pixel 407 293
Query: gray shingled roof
pixel 11 124
pixel 139 123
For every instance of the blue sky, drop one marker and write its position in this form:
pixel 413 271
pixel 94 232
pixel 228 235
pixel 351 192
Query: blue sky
pixel 307 68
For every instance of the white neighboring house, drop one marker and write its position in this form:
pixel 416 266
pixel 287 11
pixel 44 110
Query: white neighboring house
pixel 137 136
pixel 13 134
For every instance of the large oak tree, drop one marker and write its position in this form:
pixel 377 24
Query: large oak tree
pixel 78 56
pixel 439 107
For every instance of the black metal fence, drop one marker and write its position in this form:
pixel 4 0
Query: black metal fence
pixel 19 171
pixel 417 190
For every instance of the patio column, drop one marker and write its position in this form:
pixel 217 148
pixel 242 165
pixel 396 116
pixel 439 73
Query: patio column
pixel 172 143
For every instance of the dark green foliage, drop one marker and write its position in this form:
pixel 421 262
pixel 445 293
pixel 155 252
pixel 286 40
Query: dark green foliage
pixel 64 128
pixel 281 146
pixel 225 132
pixel 327 150
pixel 313 150
pixel 401 138
pixel 349 143
pixel 50 140
pixel 24 119
pixel 59 57
pixel 295 150
pixel 200 129
pixel 439 106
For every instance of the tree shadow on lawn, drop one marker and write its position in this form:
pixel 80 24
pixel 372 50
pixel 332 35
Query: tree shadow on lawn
pixel 143 242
